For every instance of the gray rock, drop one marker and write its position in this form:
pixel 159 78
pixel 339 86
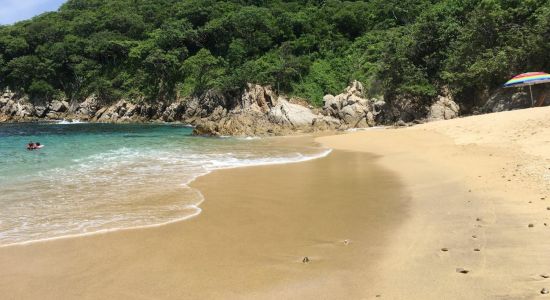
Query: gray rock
pixel 295 115
pixel 59 106
pixel 507 99
pixel 352 108
pixel 257 111
pixel 40 111
pixel 443 109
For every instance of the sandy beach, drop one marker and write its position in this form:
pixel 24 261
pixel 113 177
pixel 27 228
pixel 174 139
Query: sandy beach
pixel 436 211
pixel 249 242
pixel 479 187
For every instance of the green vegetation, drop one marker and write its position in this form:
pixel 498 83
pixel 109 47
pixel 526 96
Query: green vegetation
pixel 156 50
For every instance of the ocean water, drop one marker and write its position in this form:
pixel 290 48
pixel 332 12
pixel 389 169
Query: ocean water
pixel 93 178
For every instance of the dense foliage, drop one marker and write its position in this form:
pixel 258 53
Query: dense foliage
pixel 159 50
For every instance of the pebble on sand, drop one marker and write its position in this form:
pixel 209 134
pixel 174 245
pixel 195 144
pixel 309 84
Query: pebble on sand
pixel 544 275
pixel 478 219
pixel 477 249
pixel 531 225
pixel 544 291
pixel 444 249
pixel 474 236
pixel 462 271
pixel 305 260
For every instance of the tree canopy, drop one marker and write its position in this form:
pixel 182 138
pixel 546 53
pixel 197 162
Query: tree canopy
pixel 159 50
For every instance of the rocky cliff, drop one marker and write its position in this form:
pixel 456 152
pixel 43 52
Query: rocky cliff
pixel 258 110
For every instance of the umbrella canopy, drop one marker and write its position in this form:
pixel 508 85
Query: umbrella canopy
pixel 530 78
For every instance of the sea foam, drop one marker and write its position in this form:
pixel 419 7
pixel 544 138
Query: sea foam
pixel 131 186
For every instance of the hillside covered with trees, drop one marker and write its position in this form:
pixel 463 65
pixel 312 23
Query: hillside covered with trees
pixel 159 50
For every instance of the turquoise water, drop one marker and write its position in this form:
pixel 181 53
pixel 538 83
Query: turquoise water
pixel 99 177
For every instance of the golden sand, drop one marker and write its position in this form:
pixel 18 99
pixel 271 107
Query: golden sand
pixel 471 186
pixel 249 242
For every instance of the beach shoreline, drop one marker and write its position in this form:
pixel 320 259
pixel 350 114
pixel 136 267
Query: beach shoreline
pixel 257 226
pixel 445 210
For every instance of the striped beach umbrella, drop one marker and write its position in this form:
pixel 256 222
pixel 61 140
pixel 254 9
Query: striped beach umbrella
pixel 528 79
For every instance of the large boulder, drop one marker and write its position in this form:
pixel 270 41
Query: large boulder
pixel 40 111
pixel 110 114
pixel 58 106
pixel 443 109
pixel 88 108
pixel 352 108
pixel 286 113
pixel 258 98
pixel 173 112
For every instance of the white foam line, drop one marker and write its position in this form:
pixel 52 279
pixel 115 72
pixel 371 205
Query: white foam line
pixel 103 231
pixel 196 207
pixel 267 163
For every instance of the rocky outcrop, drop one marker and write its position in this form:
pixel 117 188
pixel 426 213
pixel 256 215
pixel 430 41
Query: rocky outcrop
pixel 258 111
pixel 13 107
pixel 515 98
pixel 353 109
pixel 443 109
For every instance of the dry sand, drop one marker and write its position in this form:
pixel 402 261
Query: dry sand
pixel 471 183
pixel 474 183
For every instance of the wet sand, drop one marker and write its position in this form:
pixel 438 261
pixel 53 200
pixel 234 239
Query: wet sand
pixel 249 242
